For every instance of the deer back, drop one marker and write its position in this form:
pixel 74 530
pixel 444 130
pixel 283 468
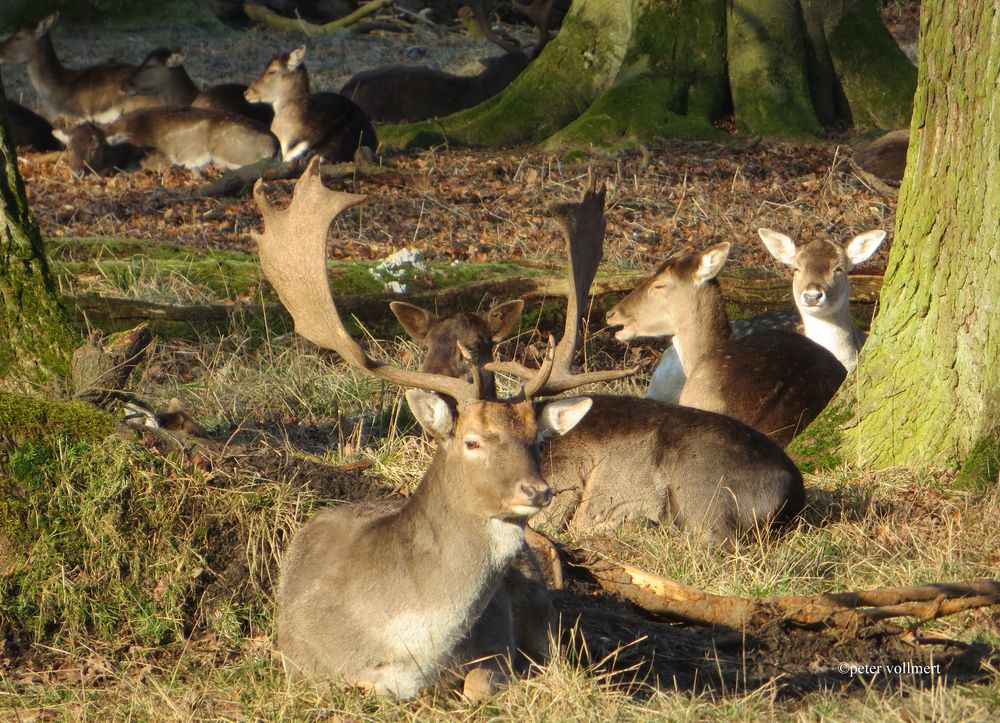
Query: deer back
pixel 162 75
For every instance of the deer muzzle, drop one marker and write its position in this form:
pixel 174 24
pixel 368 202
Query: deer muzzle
pixel 530 496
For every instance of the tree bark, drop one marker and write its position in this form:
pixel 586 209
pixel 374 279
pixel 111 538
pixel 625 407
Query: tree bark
pixel 623 72
pixel 36 334
pixel 928 383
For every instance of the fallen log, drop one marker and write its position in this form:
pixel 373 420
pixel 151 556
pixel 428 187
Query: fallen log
pixel 663 596
pixel 266 16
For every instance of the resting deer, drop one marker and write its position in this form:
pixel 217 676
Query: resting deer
pixel 162 74
pixel 775 381
pixel 189 137
pixel 29 130
pixel 412 92
pixel 391 600
pixel 88 149
pixel 822 289
pixel 93 93
pixel 822 298
pixel 325 123
pixel 635 458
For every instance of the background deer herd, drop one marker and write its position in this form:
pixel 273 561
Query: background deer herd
pixel 443 588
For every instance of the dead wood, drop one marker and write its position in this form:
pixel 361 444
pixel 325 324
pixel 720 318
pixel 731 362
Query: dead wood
pixel 239 181
pixel 266 16
pixel 101 367
pixel 848 610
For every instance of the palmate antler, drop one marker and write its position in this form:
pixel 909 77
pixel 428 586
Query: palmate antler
pixel 292 252
pixel 583 224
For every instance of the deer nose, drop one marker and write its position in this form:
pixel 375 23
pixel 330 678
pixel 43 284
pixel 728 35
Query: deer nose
pixel 812 296
pixel 537 494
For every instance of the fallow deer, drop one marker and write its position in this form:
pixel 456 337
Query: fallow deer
pixel 822 289
pixel 390 600
pixel 88 150
pixel 92 93
pixel 162 74
pixel 29 130
pixel 189 137
pixel 412 92
pixel 775 381
pixel 642 459
pixel 325 123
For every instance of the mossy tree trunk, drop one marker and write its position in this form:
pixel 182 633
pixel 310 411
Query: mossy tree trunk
pixel 626 71
pixel 37 336
pixel 928 383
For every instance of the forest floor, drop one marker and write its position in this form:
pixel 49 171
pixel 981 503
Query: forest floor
pixel 146 587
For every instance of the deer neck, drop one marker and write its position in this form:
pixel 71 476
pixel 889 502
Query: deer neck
pixel 837 333
pixel 293 100
pixel 704 328
pixel 46 73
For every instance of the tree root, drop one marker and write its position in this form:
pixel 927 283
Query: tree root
pixel 848 610
pixel 266 16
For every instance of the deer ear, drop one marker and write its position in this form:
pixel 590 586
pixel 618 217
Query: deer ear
pixel 296 57
pixel 432 413
pixel 46 25
pixel 557 418
pixel 415 321
pixel 860 248
pixel 174 59
pixel 502 317
pixel 781 246
pixel 712 260
pixel 174 406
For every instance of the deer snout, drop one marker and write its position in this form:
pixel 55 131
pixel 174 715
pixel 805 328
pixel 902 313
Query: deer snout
pixel 530 495
pixel 813 296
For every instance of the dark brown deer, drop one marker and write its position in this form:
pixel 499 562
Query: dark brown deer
pixel 92 93
pixel 29 130
pixel 412 92
pixel 88 150
pixel 324 123
pixel 162 74
pixel 389 600
pixel 633 458
pixel 775 381
pixel 189 137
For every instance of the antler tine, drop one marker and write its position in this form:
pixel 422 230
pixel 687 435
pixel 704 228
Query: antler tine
pixel 538 12
pixel 540 377
pixel 583 224
pixel 292 251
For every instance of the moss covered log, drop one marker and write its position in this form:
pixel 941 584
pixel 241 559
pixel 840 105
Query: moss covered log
pixel 928 384
pixel 36 334
pixel 623 72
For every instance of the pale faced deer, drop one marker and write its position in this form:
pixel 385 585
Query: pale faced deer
pixel 390 600
pixel 822 289
pixel 162 74
pixel 641 459
pixel 325 123
pixel 410 93
pixel 189 137
pixel 774 381
pixel 92 93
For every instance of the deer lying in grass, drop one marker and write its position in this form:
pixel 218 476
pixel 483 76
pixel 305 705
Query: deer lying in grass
pixel 325 123
pixel 822 289
pixel 92 93
pixel 396 93
pixel 822 294
pixel 635 458
pixel 189 137
pixel 392 600
pixel 162 74
pixel 774 381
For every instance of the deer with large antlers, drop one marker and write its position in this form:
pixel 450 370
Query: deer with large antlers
pixel 392 600
pixel 396 93
pixel 775 381
pixel 635 458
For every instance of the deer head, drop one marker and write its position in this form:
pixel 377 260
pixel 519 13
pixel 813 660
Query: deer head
pixel 24 44
pixel 285 74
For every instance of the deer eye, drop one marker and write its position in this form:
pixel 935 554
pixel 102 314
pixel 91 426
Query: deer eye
pixel 839 270
pixel 471 444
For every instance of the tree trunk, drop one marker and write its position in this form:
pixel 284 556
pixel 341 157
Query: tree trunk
pixel 622 72
pixel 928 383
pixel 36 334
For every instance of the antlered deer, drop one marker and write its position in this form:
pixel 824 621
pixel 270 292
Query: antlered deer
pixel 635 458
pixel 773 380
pixel 391 600
pixel 93 93
pixel 325 123
pixel 189 137
pixel 822 292
pixel 821 288
pixel 162 74
pixel 412 92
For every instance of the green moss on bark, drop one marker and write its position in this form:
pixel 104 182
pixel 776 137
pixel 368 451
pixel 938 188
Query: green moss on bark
pixel 24 417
